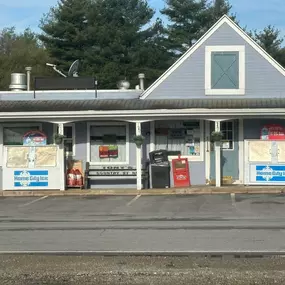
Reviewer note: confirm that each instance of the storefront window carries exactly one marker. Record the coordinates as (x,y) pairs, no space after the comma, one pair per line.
(108,143)
(183,136)
(14,135)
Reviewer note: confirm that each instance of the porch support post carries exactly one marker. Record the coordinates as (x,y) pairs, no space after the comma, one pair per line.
(152,136)
(139,158)
(241,151)
(61,159)
(218,156)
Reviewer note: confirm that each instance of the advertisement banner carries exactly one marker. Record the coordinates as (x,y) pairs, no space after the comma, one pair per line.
(31,178)
(269,173)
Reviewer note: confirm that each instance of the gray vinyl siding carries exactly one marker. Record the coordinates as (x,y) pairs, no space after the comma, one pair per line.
(81,142)
(188,80)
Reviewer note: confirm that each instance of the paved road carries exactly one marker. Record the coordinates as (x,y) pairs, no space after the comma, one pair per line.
(147,223)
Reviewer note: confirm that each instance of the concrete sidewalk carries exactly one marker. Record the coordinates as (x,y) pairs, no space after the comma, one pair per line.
(195,190)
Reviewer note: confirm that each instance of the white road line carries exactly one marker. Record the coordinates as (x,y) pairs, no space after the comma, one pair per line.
(133,200)
(34,201)
(233,198)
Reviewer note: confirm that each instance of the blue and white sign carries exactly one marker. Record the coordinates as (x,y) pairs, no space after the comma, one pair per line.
(31,178)
(270,173)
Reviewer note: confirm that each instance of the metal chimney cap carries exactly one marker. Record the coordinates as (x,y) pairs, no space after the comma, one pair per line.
(18,82)
(141,76)
(28,68)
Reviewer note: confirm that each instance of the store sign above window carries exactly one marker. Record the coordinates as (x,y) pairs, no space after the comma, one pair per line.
(272,132)
(34,138)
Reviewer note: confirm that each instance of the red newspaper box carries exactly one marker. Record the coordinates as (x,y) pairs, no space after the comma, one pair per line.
(180,169)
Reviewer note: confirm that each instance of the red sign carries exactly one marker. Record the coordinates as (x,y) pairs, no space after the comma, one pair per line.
(181,176)
(272,132)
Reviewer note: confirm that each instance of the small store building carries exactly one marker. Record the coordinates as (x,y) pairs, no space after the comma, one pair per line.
(221,106)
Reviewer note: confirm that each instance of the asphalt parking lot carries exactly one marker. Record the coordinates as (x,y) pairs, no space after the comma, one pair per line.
(62,232)
(125,207)
(143,223)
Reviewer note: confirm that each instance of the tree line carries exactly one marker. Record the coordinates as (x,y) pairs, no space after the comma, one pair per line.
(118,39)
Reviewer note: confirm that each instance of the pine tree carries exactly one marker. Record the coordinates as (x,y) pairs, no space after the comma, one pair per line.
(191,19)
(64,31)
(113,38)
(124,43)
(270,40)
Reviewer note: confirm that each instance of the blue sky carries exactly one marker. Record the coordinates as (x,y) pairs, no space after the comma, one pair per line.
(255,14)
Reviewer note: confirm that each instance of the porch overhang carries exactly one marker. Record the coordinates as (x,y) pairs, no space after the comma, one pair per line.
(147,114)
(141,109)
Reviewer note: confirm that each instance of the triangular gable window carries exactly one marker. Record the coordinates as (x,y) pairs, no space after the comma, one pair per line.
(225,70)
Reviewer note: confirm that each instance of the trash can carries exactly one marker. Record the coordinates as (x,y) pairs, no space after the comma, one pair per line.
(159,169)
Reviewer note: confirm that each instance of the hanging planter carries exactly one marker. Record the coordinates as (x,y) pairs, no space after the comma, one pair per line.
(58,138)
(216,136)
(138,140)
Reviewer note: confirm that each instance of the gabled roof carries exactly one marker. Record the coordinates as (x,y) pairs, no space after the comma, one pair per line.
(208,34)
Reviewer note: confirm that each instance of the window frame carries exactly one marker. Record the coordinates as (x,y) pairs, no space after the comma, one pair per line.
(19,125)
(72,125)
(189,157)
(6,125)
(233,136)
(92,124)
(208,70)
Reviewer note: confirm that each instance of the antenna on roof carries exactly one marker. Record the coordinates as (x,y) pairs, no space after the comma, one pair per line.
(73,70)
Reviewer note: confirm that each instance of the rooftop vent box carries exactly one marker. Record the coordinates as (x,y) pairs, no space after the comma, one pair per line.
(18,82)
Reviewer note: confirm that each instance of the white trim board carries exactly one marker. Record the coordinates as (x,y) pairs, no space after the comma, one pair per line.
(241,150)
(237,29)
(149,114)
(208,67)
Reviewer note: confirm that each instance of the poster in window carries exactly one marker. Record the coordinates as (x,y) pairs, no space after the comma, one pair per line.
(113,151)
(272,132)
(197,149)
(225,145)
(103,151)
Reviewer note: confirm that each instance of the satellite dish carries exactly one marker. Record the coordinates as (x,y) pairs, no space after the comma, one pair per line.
(73,70)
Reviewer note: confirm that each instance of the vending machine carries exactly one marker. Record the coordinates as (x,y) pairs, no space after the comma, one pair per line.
(180,170)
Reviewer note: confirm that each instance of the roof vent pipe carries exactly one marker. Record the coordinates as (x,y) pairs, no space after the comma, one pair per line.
(18,82)
(141,78)
(28,69)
